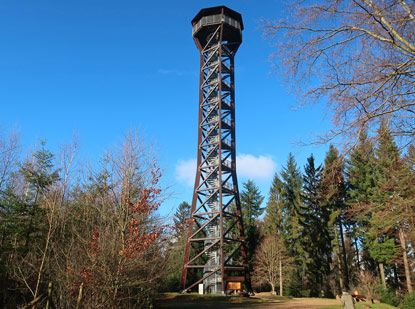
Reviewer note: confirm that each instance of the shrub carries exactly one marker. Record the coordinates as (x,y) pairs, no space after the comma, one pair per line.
(388,297)
(305,293)
(408,302)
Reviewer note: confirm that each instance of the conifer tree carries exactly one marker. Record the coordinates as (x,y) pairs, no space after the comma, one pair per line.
(176,246)
(316,236)
(251,200)
(334,193)
(180,218)
(292,219)
(273,218)
(31,209)
(361,189)
(274,230)
(389,217)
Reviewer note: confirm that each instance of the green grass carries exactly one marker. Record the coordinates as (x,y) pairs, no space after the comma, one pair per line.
(360,306)
(190,300)
(198,297)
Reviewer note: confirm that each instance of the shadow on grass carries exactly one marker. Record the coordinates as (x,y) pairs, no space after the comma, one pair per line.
(173,300)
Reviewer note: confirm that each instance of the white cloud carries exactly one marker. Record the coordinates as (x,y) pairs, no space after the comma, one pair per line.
(248,166)
(256,168)
(186,171)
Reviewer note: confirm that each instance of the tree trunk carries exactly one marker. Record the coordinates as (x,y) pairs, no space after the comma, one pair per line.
(339,263)
(395,274)
(281,289)
(382,275)
(346,267)
(405,259)
(357,253)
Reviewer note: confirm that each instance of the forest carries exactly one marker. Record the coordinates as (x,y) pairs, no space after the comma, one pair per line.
(79,234)
(93,233)
(345,223)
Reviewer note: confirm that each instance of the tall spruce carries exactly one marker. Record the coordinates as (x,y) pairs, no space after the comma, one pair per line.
(292,220)
(361,177)
(316,236)
(388,211)
(181,216)
(334,194)
(251,201)
(273,218)
(176,246)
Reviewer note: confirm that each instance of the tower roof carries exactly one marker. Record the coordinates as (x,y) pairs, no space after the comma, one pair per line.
(218,10)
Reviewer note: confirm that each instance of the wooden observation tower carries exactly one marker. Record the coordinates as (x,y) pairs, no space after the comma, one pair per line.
(215,247)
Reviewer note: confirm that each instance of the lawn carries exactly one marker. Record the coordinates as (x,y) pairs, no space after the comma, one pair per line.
(361,304)
(192,300)
(261,300)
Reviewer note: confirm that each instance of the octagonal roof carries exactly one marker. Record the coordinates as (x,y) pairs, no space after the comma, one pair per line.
(218,10)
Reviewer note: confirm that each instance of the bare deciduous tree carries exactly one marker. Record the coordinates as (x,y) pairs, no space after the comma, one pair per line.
(369,283)
(114,257)
(8,156)
(271,263)
(356,55)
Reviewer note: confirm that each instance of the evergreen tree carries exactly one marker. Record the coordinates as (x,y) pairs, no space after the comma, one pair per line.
(39,174)
(25,221)
(383,251)
(180,219)
(176,247)
(334,194)
(273,218)
(292,220)
(361,190)
(389,218)
(360,172)
(316,237)
(251,200)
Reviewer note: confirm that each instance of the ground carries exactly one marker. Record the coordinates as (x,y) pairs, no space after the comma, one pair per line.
(259,301)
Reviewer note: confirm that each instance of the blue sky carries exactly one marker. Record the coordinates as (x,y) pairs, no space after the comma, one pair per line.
(101,67)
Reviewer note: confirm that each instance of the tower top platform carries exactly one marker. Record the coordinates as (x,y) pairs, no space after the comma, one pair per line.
(217,10)
(207,19)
